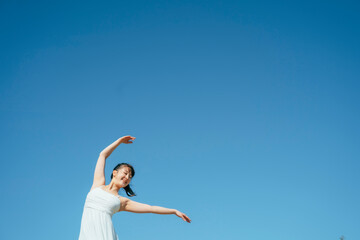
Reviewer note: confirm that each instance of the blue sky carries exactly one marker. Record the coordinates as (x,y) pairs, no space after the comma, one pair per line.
(245,115)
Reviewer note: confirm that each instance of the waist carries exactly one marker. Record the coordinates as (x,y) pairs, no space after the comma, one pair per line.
(99,208)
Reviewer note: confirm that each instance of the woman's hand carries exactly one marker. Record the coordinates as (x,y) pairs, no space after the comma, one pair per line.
(127,139)
(183,216)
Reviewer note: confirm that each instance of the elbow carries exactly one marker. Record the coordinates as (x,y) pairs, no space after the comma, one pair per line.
(151,209)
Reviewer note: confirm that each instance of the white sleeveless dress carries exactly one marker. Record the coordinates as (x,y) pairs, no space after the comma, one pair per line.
(96,222)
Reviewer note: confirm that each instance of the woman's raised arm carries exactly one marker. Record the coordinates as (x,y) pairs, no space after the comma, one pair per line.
(99,174)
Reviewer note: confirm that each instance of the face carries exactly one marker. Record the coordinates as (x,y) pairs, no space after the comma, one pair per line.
(122,176)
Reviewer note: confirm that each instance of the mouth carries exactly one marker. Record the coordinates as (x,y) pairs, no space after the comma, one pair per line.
(125,182)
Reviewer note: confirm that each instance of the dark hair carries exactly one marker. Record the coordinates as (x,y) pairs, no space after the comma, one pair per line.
(127,189)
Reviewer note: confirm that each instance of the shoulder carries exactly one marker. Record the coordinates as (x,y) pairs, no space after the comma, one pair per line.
(96,186)
(123,202)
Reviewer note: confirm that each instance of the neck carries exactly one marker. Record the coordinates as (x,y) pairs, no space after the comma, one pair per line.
(112,187)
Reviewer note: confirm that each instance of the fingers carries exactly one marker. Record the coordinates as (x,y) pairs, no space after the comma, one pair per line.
(128,139)
(185,218)
(131,137)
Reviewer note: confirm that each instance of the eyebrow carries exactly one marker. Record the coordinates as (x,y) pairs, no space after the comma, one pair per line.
(127,171)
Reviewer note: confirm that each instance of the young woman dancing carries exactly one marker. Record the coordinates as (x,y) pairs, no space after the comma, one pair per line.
(103,200)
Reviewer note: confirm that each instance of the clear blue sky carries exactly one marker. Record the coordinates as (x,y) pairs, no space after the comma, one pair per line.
(246,115)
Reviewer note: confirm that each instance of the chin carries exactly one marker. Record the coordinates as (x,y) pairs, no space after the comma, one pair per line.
(123,185)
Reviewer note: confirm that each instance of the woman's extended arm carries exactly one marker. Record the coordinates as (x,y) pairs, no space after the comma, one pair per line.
(136,207)
(99,174)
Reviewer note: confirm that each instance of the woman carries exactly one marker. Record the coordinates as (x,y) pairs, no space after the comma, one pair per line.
(103,200)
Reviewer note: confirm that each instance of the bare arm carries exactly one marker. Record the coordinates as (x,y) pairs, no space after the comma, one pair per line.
(99,174)
(108,150)
(136,207)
